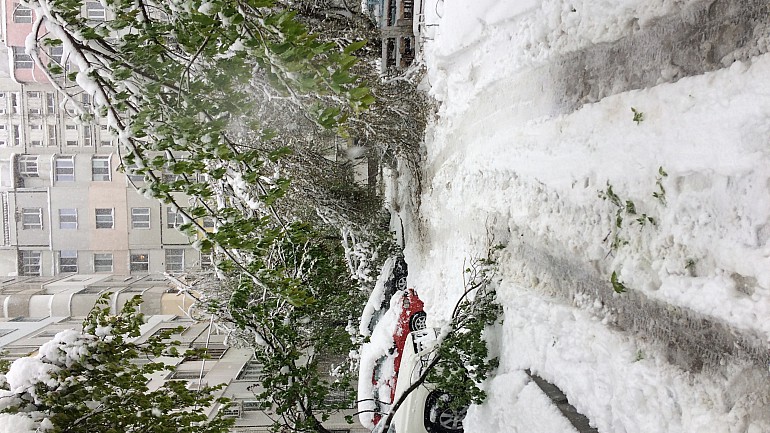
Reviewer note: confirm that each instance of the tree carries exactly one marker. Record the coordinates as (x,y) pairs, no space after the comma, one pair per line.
(226,109)
(90,382)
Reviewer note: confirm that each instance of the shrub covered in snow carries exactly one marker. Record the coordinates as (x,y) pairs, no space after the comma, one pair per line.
(90,381)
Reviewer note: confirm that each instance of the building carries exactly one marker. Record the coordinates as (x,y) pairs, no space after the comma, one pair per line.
(36,308)
(396,19)
(64,205)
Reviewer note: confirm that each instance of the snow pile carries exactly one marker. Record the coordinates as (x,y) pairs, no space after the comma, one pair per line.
(508,159)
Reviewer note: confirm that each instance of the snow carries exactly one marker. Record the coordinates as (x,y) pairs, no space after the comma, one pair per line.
(16,423)
(507,160)
(378,346)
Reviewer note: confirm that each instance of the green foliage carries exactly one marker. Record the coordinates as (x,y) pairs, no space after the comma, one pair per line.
(660,194)
(617,285)
(222,108)
(464,360)
(96,385)
(638,115)
(295,316)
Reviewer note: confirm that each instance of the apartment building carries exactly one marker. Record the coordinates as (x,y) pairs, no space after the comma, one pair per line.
(34,309)
(396,18)
(64,205)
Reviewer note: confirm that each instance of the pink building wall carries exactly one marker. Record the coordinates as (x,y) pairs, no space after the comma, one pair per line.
(15,36)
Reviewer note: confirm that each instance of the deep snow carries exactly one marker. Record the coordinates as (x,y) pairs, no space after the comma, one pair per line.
(504,163)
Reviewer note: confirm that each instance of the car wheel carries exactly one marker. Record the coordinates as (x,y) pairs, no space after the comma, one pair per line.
(440,419)
(401,283)
(418,321)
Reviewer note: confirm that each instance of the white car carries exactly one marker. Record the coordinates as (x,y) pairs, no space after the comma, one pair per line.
(421,411)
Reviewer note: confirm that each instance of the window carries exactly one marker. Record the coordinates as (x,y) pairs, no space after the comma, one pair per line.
(105,218)
(64,169)
(16,132)
(207,261)
(130,170)
(33,94)
(72,143)
(100,168)
(95,11)
(208,222)
(174,219)
(254,405)
(174,260)
(15,103)
(27,165)
(68,261)
(32,218)
(140,217)
(88,138)
(22,14)
(50,103)
(140,262)
(56,54)
(29,263)
(34,111)
(70,127)
(36,143)
(107,143)
(35,126)
(68,218)
(103,262)
(52,135)
(21,60)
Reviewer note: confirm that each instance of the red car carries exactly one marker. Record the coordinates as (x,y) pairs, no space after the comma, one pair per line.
(411,318)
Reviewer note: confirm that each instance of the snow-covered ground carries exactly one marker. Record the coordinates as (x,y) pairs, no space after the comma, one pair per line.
(508,161)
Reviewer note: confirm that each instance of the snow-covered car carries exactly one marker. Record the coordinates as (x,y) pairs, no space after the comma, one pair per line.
(392,279)
(426,409)
(411,317)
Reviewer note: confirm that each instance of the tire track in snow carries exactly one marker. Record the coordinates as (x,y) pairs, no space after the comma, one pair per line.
(689,340)
(705,37)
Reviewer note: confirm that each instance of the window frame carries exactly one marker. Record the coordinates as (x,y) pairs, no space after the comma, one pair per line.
(26,18)
(174,254)
(105,223)
(28,165)
(174,219)
(137,218)
(92,7)
(68,255)
(103,257)
(68,225)
(101,168)
(22,60)
(139,262)
(26,258)
(61,172)
(32,218)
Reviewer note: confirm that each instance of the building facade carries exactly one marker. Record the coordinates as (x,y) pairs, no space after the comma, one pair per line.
(35,309)
(397,32)
(65,207)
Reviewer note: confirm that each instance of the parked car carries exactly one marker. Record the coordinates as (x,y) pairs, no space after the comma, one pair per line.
(411,317)
(395,281)
(426,409)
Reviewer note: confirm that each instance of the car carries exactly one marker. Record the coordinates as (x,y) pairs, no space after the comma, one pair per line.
(426,409)
(411,317)
(395,272)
